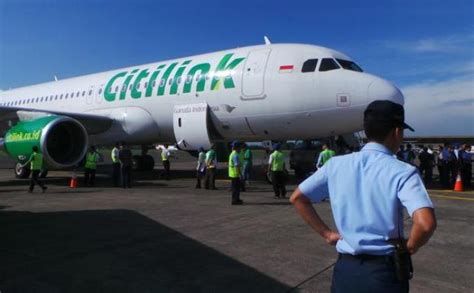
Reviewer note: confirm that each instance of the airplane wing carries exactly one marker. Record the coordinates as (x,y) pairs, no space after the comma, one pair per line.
(9,116)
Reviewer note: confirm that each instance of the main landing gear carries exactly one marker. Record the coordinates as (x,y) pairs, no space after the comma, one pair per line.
(143,162)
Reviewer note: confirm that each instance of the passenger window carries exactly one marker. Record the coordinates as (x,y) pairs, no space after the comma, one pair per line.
(146,85)
(61,97)
(66,96)
(154,83)
(90,92)
(170,81)
(328,64)
(198,77)
(162,82)
(309,65)
(83,93)
(100,91)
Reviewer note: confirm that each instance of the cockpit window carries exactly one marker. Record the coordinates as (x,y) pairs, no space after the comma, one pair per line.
(346,64)
(309,65)
(328,64)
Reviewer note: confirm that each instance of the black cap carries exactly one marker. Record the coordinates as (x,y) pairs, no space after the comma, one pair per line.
(386,112)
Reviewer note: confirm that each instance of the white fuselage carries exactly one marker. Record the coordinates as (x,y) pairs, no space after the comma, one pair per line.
(264,96)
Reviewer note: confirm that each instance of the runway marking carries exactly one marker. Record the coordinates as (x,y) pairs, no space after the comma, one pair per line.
(451,197)
(451,191)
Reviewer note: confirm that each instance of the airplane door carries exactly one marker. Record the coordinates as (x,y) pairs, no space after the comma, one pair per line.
(190,125)
(253,82)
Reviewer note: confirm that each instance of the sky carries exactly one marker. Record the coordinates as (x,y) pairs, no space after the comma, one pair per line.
(426,48)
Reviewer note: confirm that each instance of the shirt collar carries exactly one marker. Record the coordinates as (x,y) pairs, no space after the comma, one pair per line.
(373,146)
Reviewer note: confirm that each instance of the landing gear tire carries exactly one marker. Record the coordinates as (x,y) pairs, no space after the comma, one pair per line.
(137,163)
(21,172)
(148,163)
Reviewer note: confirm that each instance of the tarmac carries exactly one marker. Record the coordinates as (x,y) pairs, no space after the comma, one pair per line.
(167,236)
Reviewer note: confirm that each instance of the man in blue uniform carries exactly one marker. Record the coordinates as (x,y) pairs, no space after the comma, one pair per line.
(368,190)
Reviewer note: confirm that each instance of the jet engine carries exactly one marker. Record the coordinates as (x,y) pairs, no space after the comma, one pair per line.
(62,141)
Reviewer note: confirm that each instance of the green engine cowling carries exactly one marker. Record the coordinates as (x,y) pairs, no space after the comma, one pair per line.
(62,140)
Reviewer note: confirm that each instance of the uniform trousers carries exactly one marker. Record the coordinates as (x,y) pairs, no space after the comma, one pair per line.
(278,182)
(166,166)
(235,189)
(34,179)
(373,274)
(89,177)
(210,178)
(116,174)
(466,174)
(126,176)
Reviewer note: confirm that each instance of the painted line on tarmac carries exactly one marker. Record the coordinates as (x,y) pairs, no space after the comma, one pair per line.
(451,197)
(451,191)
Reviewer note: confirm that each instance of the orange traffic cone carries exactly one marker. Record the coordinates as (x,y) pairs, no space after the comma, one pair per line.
(73,181)
(458,184)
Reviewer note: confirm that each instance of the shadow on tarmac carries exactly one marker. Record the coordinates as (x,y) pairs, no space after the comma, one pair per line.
(114,251)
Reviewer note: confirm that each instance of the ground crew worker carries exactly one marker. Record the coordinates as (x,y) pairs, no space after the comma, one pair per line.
(125,157)
(440,164)
(165,159)
(115,165)
(466,167)
(449,162)
(426,165)
(248,164)
(409,155)
(201,167)
(90,167)
(36,164)
(325,155)
(234,173)
(242,160)
(211,165)
(367,192)
(277,170)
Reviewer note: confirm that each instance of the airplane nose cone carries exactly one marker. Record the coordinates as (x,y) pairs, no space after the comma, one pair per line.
(383,90)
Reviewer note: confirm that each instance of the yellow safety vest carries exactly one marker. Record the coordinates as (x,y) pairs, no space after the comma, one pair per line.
(278,161)
(233,170)
(91,161)
(163,155)
(36,161)
(115,159)
(326,155)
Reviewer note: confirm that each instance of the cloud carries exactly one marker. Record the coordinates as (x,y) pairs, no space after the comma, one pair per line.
(441,108)
(448,44)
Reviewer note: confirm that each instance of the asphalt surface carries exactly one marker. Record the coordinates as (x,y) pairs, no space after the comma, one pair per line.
(167,236)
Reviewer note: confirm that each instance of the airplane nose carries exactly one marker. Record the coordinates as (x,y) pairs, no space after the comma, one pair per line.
(381,89)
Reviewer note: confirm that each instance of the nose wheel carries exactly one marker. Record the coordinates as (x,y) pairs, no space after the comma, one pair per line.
(21,172)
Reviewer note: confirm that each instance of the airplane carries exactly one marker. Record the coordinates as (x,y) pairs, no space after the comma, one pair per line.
(255,93)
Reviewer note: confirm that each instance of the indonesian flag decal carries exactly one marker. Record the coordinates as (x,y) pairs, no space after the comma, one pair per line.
(286,68)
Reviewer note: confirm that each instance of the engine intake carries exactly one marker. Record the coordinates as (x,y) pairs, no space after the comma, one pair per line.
(62,140)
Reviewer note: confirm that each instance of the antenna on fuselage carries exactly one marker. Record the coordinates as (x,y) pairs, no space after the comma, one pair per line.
(267,41)
(55,78)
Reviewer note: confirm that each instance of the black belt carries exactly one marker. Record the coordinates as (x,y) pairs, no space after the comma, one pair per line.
(365,257)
